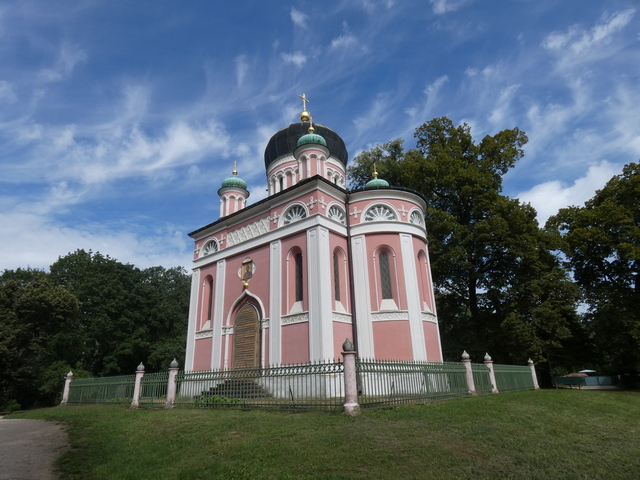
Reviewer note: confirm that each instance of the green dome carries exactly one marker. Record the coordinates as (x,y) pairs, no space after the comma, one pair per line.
(376,182)
(312,138)
(234,182)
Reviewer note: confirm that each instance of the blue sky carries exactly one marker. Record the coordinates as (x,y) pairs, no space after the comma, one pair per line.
(119,119)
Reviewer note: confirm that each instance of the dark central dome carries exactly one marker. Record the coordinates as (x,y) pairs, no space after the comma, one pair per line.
(285,141)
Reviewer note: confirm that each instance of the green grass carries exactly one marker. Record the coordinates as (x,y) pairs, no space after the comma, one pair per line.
(525,435)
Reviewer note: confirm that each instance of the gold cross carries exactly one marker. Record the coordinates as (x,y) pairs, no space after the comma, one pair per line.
(304,101)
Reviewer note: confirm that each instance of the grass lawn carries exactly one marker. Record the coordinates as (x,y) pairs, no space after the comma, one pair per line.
(525,435)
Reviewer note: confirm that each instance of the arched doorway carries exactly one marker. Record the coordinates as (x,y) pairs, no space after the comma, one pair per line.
(246,338)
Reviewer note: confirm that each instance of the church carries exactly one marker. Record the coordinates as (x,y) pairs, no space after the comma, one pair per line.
(287,279)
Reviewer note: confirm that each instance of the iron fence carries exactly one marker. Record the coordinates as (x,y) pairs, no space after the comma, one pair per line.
(512,378)
(481,378)
(102,390)
(314,386)
(153,389)
(391,383)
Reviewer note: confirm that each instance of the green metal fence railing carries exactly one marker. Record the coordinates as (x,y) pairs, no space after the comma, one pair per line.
(310,386)
(390,383)
(153,389)
(102,390)
(293,387)
(512,378)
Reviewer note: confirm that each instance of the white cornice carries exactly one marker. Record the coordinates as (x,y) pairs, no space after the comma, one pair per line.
(388,227)
(387,194)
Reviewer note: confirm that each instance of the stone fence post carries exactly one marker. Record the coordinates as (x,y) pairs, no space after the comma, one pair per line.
(171,384)
(533,374)
(67,385)
(466,360)
(492,376)
(351,406)
(136,388)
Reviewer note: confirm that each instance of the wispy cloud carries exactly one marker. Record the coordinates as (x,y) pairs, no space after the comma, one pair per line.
(297,58)
(579,45)
(69,56)
(445,6)
(549,197)
(298,18)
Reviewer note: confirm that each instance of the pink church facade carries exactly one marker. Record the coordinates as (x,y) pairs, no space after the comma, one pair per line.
(288,278)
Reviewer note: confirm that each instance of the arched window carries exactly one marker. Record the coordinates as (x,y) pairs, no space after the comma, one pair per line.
(385,276)
(281,182)
(299,286)
(386,279)
(294,213)
(295,284)
(336,278)
(337,213)
(380,213)
(207,303)
(423,281)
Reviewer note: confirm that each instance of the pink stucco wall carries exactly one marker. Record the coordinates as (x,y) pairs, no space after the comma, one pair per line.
(258,285)
(295,343)
(341,331)
(432,341)
(392,339)
(202,354)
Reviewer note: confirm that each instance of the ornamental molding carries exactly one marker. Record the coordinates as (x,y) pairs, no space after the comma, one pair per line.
(248,232)
(297,318)
(389,316)
(428,317)
(204,334)
(340,317)
(264,323)
(227,330)
(276,165)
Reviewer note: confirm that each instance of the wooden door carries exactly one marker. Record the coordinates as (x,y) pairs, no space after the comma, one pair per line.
(246,338)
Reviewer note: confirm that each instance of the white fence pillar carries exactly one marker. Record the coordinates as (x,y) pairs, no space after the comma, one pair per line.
(171,384)
(492,376)
(136,388)
(67,386)
(351,405)
(533,374)
(471,386)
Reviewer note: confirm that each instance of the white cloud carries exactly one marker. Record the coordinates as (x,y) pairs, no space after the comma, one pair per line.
(577,45)
(298,18)
(549,197)
(423,109)
(7,92)
(500,115)
(68,57)
(297,58)
(445,6)
(344,42)
(242,67)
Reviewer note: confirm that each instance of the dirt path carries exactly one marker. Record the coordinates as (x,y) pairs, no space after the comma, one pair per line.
(29,448)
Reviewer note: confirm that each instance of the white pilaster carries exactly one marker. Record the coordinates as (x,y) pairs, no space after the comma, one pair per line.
(413,297)
(319,294)
(362,301)
(193,313)
(218,312)
(275,302)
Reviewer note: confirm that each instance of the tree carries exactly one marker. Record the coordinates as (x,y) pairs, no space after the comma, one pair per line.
(127,315)
(33,314)
(602,244)
(499,288)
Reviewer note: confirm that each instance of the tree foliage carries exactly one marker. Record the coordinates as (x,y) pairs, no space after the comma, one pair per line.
(602,244)
(91,314)
(499,287)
